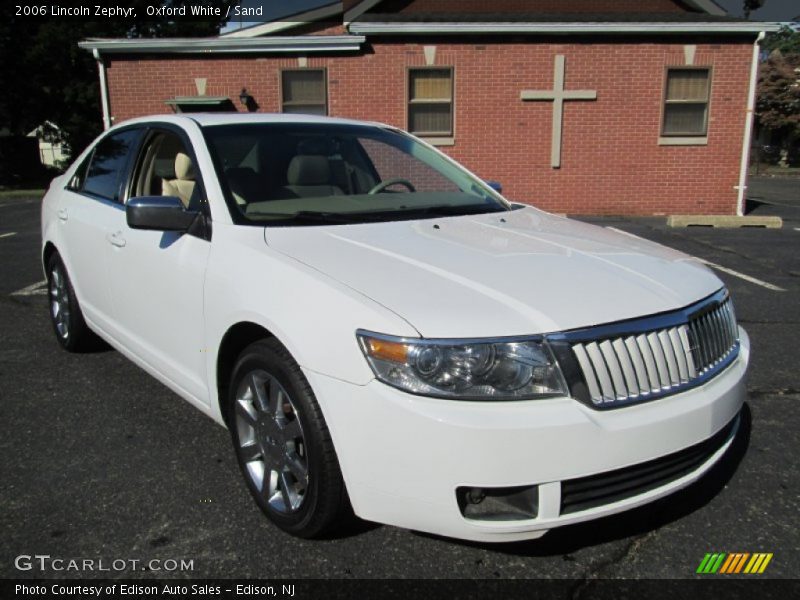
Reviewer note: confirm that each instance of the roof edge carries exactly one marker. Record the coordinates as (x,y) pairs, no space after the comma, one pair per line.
(359,9)
(287,22)
(707,6)
(277,44)
(485,28)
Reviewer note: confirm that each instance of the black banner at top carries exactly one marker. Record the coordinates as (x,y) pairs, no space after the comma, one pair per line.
(246,12)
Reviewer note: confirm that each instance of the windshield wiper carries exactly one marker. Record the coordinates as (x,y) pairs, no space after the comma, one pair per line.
(447,210)
(306,216)
(404,213)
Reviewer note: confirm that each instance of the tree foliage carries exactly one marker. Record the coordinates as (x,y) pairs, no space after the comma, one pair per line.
(786,40)
(778,104)
(46,77)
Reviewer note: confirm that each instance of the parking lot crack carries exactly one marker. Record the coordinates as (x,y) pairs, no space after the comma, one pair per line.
(777,392)
(602,568)
(764,322)
(710,246)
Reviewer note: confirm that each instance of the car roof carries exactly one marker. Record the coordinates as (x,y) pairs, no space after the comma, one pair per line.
(233,118)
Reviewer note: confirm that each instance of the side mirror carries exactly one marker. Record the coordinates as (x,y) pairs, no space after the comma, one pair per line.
(496,186)
(159,213)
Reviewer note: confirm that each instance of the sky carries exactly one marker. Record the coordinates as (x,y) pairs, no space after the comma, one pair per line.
(274,9)
(773,10)
(286,7)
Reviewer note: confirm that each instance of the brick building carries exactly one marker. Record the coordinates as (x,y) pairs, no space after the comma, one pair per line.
(577,106)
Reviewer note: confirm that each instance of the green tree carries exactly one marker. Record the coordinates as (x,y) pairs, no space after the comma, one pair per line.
(786,40)
(778,102)
(46,77)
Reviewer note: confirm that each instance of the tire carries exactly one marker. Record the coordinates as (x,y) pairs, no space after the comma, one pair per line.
(65,313)
(282,443)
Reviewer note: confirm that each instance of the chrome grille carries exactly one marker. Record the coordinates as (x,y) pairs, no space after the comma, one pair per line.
(713,335)
(641,365)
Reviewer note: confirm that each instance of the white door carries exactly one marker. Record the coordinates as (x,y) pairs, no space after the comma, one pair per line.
(87,212)
(156,278)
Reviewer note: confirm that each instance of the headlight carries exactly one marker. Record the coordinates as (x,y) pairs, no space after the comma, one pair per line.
(465,370)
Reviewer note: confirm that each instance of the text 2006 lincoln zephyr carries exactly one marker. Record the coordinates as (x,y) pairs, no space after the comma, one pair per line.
(382,332)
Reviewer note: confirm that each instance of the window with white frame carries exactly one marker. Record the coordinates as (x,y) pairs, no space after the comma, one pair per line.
(686,100)
(430,102)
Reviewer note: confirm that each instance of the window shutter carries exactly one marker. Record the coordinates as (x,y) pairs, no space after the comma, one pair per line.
(430,110)
(686,102)
(303,91)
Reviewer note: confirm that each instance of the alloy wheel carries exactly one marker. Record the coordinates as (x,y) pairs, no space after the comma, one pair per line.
(59,301)
(271,442)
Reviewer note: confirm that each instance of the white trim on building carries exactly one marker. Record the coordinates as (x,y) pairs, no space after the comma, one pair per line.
(238,45)
(585,28)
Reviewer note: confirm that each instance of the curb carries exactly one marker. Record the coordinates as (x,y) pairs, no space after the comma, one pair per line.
(726,221)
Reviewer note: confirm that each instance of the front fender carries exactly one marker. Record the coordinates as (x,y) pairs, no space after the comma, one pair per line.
(314,316)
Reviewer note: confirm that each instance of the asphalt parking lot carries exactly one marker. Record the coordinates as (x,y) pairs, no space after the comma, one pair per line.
(98,460)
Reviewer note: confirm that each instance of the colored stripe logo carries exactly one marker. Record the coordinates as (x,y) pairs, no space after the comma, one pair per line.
(736,562)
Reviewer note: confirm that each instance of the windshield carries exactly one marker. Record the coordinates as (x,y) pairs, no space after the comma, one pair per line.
(310,174)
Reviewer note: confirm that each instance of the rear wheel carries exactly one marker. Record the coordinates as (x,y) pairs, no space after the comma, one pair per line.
(65,313)
(282,443)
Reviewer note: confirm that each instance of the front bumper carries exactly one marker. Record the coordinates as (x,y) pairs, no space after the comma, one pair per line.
(404,456)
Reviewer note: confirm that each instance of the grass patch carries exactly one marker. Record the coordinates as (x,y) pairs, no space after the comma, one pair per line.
(17,194)
(775,171)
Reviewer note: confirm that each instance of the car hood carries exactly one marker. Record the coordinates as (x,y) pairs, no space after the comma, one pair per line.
(498,274)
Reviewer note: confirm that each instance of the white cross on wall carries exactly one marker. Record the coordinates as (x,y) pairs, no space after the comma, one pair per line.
(558,94)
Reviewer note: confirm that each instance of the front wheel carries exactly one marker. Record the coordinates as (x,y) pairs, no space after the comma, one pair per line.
(65,313)
(282,443)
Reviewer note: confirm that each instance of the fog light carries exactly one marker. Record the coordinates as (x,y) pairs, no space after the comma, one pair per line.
(499,504)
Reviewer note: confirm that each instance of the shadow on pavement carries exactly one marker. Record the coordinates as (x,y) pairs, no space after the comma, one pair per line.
(753,206)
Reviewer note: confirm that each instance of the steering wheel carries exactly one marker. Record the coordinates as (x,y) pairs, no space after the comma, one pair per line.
(385,184)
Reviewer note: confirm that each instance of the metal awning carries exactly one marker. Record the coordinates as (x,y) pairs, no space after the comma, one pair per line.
(467,26)
(226,45)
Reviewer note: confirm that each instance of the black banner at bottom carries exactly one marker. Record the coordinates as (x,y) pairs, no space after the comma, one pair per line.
(529,589)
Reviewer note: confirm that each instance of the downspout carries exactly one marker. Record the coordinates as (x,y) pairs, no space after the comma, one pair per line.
(101,71)
(748,127)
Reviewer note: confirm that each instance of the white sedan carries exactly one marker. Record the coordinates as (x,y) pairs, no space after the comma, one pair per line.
(382,332)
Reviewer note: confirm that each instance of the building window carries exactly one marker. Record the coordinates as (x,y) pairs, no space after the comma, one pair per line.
(686,102)
(304,91)
(430,102)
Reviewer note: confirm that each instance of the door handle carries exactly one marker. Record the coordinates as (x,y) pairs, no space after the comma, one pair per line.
(62,214)
(117,240)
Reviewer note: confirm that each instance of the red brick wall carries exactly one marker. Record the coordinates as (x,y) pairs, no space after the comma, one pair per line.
(527,6)
(611,160)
